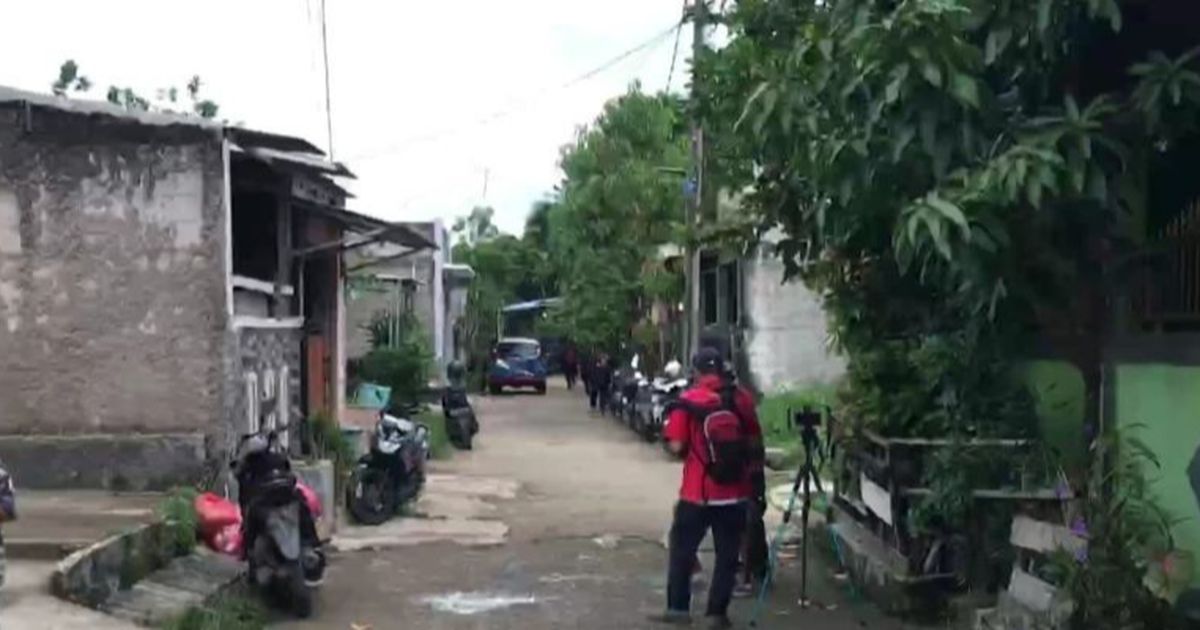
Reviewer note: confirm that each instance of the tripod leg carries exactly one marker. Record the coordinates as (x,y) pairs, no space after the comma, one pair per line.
(804,541)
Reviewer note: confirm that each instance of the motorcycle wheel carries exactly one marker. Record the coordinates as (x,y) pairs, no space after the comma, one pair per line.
(410,489)
(370,498)
(299,594)
(648,430)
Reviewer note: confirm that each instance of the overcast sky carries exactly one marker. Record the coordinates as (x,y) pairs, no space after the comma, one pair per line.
(416,84)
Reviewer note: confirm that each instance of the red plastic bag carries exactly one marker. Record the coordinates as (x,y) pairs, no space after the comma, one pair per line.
(311,499)
(215,513)
(227,540)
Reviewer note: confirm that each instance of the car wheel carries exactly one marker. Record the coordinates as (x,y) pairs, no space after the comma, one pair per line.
(495,389)
(541,389)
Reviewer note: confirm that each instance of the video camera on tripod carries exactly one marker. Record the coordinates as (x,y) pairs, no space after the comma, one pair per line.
(806,421)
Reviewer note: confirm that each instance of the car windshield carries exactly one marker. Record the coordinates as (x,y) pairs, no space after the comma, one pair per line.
(517,350)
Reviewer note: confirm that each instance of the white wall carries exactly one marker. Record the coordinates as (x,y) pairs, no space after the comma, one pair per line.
(786,335)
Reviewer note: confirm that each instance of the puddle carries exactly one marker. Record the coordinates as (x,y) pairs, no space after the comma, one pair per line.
(475,603)
(559,578)
(607,541)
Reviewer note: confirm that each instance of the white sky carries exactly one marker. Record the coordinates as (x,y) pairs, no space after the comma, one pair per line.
(411,79)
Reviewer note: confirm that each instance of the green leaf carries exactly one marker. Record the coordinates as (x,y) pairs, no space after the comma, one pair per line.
(1097,185)
(932,73)
(965,89)
(1033,191)
(900,141)
(997,41)
(940,241)
(948,210)
(750,102)
(1043,15)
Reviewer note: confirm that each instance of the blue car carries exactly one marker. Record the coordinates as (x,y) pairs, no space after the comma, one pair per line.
(517,362)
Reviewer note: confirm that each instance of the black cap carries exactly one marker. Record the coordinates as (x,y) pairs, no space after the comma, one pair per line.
(708,361)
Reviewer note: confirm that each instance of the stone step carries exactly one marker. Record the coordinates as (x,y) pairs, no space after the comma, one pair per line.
(167,593)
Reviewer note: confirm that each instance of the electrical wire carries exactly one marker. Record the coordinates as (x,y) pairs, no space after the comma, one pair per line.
(675,51)
(508,111)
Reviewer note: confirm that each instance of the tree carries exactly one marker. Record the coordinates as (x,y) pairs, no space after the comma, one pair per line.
(951,176)
(477,226)
(616,205)
(167,99)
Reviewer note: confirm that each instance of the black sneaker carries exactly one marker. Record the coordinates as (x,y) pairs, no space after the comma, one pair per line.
(672,618)
(718,622)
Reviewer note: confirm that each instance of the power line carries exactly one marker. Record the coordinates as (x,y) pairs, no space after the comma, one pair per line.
(325,57)
(503,113)
(675,51)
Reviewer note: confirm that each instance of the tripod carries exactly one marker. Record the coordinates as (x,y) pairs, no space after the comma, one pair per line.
(806,478)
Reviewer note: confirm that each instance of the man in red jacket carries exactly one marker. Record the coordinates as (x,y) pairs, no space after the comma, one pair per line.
(716,485)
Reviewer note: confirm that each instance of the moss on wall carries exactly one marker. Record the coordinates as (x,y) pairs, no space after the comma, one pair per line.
(1057,388)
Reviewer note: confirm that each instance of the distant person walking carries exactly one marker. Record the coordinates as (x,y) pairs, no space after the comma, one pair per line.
(570,365)
(599,381)
(715,430)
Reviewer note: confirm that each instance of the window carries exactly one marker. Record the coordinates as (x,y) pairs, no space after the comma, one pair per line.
(709,296)
(731,292)
(518,350)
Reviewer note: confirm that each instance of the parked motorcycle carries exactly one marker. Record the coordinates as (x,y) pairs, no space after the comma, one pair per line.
(392,473)
(279,534)
(461,424)
(666,391)
(624,391)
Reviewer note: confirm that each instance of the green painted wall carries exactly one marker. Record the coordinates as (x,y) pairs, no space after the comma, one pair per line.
(1057,387)
(1165,400)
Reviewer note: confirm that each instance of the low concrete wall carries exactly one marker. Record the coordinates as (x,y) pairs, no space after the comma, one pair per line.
(122,463)
(91,576)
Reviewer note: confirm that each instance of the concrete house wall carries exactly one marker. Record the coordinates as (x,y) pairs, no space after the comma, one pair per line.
(785,336)
(112,294)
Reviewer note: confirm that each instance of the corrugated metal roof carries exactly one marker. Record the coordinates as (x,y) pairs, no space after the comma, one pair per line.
(303,161)
(89,107)
(248,138)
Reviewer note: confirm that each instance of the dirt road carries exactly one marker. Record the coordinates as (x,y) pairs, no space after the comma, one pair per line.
(582,547)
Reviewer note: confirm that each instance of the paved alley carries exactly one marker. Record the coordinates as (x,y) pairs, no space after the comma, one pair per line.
(583,545)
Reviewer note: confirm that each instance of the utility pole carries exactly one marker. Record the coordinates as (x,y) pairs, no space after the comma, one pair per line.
(693,214)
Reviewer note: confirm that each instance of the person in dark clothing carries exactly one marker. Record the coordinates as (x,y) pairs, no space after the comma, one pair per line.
(704,502)
(599,380)
(570,365)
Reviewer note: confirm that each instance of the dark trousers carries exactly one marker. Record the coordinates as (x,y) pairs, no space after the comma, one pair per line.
(570,373)
(594,396)
(755,549)
(691,522)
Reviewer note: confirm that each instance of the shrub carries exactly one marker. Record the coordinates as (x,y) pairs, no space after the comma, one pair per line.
(400,357)
(178,511)
(227,613)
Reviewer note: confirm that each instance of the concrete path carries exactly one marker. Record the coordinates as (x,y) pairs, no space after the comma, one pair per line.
(54,523)
(26,603)
(582,538)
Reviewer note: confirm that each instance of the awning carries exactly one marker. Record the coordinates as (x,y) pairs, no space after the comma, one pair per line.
(533,305)
(362,230)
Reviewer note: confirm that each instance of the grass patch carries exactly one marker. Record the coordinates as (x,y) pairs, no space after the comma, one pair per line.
(773,411)
(232,612)
(439,441)
(178,511)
